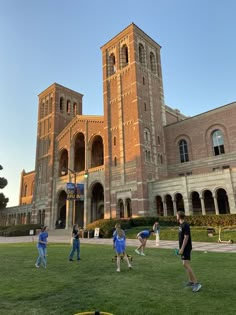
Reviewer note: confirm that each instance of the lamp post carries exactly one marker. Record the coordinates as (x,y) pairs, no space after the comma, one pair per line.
(85,197)
(75,192)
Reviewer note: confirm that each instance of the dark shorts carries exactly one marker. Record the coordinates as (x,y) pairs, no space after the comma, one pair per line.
(186,254)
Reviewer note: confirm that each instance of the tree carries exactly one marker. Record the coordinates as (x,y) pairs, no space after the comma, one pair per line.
(3,199)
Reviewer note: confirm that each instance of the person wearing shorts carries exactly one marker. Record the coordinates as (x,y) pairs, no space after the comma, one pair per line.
(119,244)
(185,248)
(142,237)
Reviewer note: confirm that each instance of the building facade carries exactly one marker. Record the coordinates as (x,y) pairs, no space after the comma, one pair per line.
(141,158)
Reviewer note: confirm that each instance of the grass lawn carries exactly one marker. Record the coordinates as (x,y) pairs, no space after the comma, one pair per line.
(155,286)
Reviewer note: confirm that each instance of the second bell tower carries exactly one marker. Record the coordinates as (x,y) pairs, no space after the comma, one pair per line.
(134,115)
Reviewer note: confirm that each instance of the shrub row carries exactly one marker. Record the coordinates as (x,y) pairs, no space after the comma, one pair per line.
(107,225)
(18,230)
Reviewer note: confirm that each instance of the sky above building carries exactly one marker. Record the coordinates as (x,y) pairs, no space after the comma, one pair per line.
(47,41)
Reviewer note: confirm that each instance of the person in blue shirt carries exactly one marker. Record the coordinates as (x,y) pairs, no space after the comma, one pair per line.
(142,237)
(75,243)
(119,244)
(42,247)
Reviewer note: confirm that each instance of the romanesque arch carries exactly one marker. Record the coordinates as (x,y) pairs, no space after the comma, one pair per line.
(63,162)
(79,153)
(222,201)
(61,210)
(169,205)
(97,155)
(209,202)
(159,206)
(196,203)
(97,202)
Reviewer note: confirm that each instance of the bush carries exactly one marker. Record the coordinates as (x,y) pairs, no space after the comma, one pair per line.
(107,226)
(18,230)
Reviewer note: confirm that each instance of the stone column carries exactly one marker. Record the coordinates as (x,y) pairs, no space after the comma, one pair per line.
(175,207)
(216,204)
(203,206)
(69,208)
(165,208)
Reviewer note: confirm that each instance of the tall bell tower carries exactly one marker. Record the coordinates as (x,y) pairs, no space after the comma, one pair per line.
(134,115)
(57,107)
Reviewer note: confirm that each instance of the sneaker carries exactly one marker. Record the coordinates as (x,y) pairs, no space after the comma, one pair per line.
(78,258)
(189,284)
(37,266)
(130,267)
(142,254)
(71,259)
(137,251)
(118,270)
(196,287)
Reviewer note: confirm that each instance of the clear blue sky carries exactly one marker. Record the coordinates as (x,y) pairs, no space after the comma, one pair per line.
(47,41)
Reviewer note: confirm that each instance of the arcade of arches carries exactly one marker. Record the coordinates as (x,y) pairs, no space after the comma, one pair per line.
(206,202)
(95,206)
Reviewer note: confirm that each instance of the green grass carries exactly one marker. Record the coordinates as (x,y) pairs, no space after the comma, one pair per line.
(155,286)
(199,234)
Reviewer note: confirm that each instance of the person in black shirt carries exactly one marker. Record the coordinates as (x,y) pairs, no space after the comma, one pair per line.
(185,247)
(75,243)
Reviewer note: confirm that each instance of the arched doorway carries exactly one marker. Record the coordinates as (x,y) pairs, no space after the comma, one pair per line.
(159,205)
(79,149)
(97,157)
(179,202)
(97,202)
(196,203)
(128,207)
(222,200)
(209,202)
(169,205)
(61,210)
(63,163)
(121,208)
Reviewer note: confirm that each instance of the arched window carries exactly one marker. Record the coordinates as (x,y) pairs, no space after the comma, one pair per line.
(74,109)
(61,104)
(183,151)
(124,56)
(153,63)
(42,110)
(147,135)
(25,190)
(147,156)
(46,108)
(218,142)
(50,104)
(141,52)
(111,64)
(68,107)
(145,106)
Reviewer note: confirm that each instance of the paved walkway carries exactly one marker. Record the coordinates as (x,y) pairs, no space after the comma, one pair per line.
(199,246)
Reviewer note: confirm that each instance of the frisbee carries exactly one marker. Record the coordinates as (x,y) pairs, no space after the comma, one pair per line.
(176,251)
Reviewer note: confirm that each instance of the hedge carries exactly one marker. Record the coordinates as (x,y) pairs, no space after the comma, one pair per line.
(18,230)
(107,226)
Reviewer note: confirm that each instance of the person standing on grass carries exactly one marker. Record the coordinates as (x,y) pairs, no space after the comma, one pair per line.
(75,243)
(142,237)
(119,244)
(185,247)
(156,229)
(42,247)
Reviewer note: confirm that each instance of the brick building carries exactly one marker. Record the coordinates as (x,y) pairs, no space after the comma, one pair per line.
(141,158)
